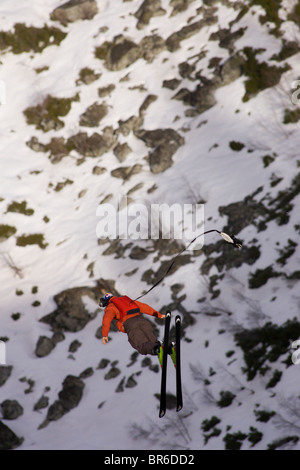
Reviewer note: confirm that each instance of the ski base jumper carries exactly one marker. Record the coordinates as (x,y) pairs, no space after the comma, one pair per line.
(127,314)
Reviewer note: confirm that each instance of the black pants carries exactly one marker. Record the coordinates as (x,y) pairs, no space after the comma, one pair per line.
(140,334)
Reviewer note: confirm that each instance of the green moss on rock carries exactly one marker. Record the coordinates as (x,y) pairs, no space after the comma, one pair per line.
(234,441)
(6,231)
(262,346)
(236,146)
(226,398)
(295,14)
(291,116)
(20,208)
(263,415)
(45,116)
(28,38)
(283,442)
(260,74)
(271,8)
(33,239)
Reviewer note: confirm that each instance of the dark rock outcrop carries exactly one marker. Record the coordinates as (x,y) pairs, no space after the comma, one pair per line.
(44,346)
(93,115)
(8,439)
(122,53)
(164,143)
(202,97)
(94,145)
(5,372)
(68,398)
(11,409)
(75,10)
(147,10)
(71,313)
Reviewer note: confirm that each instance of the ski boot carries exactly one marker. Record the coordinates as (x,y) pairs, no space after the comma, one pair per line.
(172,352)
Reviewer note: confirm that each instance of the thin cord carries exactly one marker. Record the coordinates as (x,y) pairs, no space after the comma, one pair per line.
(172,263)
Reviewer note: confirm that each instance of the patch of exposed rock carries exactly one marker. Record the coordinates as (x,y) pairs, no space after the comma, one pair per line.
(72,313)
(148,10)
(173,41)
(94,145)
(125,172)
(11,409)
(123,51)
(68,398)
(5,372)
(121,151)
(179,6)
(93,115)
(44,346)
(163,143)
(8,439)
(75,10)
(202,97)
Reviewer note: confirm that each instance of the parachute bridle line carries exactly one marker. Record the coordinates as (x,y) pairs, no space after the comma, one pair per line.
(228,238)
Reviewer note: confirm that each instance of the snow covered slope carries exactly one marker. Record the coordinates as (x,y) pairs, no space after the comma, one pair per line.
(158,102)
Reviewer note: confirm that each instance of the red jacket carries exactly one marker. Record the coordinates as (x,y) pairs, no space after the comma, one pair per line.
(119,309)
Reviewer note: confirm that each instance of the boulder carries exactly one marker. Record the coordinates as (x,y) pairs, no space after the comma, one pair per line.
(43,402)
(164,143)
(5,372)
(94,145)
(68,398)
(71,313)
(179,6)
(151,46)
(44,346)
(72,392)
(11,409)
(75,10)
(121,151)
(8,439)
(202,98)
(122,53)
(173,41)
(74,346)
(125,172)
(93,115)
(161,158)
(131,124)
(147,10)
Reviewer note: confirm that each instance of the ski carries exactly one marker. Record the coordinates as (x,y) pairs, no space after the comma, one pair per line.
(178,363)
(176,358)
(163,392)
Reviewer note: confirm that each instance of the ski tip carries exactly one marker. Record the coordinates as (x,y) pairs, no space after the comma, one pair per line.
(162,414)
(168,314)
(177,319)
(179,408)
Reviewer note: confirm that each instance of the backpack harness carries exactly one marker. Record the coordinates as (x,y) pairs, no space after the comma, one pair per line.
(126,306)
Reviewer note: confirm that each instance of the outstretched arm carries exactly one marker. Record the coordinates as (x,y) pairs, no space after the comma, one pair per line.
(108,316)
(145,308)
